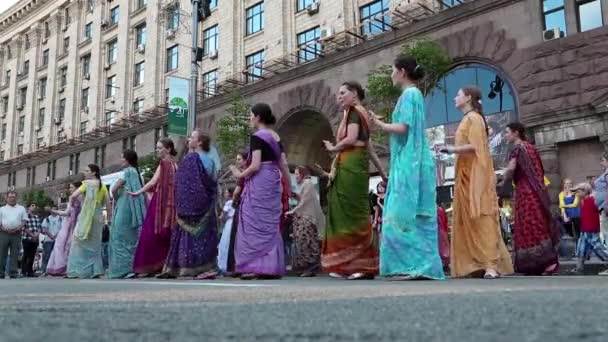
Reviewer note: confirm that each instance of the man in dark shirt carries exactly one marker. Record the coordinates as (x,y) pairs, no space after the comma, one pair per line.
(29,239)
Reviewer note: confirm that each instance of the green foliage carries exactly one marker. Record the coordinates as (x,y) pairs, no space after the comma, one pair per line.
(38,197)
(383,96)
(233,128)
(147,166)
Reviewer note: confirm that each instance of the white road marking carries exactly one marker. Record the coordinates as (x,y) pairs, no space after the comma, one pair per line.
(174,283)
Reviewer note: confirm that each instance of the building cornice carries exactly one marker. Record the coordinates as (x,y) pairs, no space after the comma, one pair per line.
(22,10)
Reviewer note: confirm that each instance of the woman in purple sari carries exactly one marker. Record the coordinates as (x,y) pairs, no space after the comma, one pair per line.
(194,238)
(155,237)
(259,249)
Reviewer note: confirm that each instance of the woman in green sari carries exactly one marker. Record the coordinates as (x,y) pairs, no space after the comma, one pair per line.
(128,215)
(85,253)
(349,247)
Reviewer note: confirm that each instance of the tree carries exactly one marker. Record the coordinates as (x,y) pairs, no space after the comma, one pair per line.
(233,128)
(147,166)
(38,197)
(383,95)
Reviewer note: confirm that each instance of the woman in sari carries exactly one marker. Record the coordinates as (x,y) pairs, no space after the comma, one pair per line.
(129,215)
(409,247)
(308,219)
(259,250)
(58,261)
(349,247)
(194,238)
(535,237)
(477,245)
(155,237)
(85,252)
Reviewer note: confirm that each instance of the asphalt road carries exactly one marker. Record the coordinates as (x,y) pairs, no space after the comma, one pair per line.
(316,309)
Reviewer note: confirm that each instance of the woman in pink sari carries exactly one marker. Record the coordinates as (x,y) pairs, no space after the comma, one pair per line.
(155,237)
(58,260)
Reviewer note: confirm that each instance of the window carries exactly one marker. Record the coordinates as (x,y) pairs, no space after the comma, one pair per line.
(129,143)
(111,86)
(141,3)
(255,18)
(212,4)
(19,150)
(27,42)
(374,17)
(138,78)
(51,167)
(114,15)
(140,35)
(160,132)
(84,100)
(42,87)
(138,105)
(3,132)
(112,52)
(554,15)
(26,67)
(172,58)
(1,155)
(210,43)
(22,96)
(5,105)
(309,48)
(589,14)
(86,65)
(21,125)
(173,17)
(63,76)
(88,31)
(45,57)
(61,110)
(110,117)
(83,127)
(74,163)
(66,45)
(302,4)
(68,18)
(7,77)
(90,5)
(41,117)
(39,143)
(100,156)
(255,63)
(209,83)
(9,52)
(12,178)
(47,30)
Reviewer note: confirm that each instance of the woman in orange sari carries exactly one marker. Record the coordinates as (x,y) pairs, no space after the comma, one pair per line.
(477,246)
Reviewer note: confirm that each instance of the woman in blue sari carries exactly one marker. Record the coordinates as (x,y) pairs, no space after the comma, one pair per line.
(409,247)
(129,215)
(85,252)
(194,238)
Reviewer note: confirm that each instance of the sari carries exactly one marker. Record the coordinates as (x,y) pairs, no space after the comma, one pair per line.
(409,224)
(223,248)
(350,246)
(536,236)
(128,217)
(155,237)
(308,219)
(259,245)
(444,237)
(477,243)
(85,259)
(194,237)
(58,261)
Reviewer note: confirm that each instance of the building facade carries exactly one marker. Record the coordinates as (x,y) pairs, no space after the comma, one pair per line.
(540,61)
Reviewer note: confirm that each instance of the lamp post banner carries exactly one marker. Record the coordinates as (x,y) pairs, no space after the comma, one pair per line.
(178,106)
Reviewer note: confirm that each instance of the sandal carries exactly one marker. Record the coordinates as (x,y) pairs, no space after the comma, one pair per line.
(166,275)
(207,275)
(360,276)
(337,275)
(248,276)
(491,274)
(551,270)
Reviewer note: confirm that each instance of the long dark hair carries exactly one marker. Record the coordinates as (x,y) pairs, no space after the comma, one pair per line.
(131,158)
(475,94)
(204,140)
(97,172)
(519,128)
(169,145)
(411,67)
(264,112)
(356,88)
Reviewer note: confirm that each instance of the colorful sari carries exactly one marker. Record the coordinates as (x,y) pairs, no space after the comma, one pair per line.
(194,238)
(308,219)
(350,246)
(58,261)
(259,245)
(477,243)
(535,237)
(155,237)
(409,224)
(129,213)
(85,259)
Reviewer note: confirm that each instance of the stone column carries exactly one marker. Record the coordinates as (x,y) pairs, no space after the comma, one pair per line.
(549,156)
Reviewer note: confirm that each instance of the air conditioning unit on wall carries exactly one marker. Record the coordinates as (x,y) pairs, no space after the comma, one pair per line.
(313,8)
(552,34)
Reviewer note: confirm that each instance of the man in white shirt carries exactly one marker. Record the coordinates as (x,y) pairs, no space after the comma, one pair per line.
(50,228)
(12,220)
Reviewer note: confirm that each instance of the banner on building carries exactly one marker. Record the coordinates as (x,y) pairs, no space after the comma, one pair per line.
(178,106)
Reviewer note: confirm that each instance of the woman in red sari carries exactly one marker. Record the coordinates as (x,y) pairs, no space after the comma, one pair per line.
(535,235)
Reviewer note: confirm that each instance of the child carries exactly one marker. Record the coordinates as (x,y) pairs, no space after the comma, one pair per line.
(589,240)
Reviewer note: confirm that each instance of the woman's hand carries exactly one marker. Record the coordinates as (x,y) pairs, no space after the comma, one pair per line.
(329,146)
(324,173)
(376,121)
(235,171)
(443,148)
(134,194)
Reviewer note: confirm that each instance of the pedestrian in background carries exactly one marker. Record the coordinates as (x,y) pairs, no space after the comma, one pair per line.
(226,218)
(51,226)
(30,240)
(241,165)
(589,241)
(13,218)
(569,207)
(601,191)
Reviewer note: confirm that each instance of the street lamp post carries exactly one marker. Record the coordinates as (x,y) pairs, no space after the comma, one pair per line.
(194,65)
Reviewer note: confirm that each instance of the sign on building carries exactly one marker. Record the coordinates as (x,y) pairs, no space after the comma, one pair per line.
(178,106)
